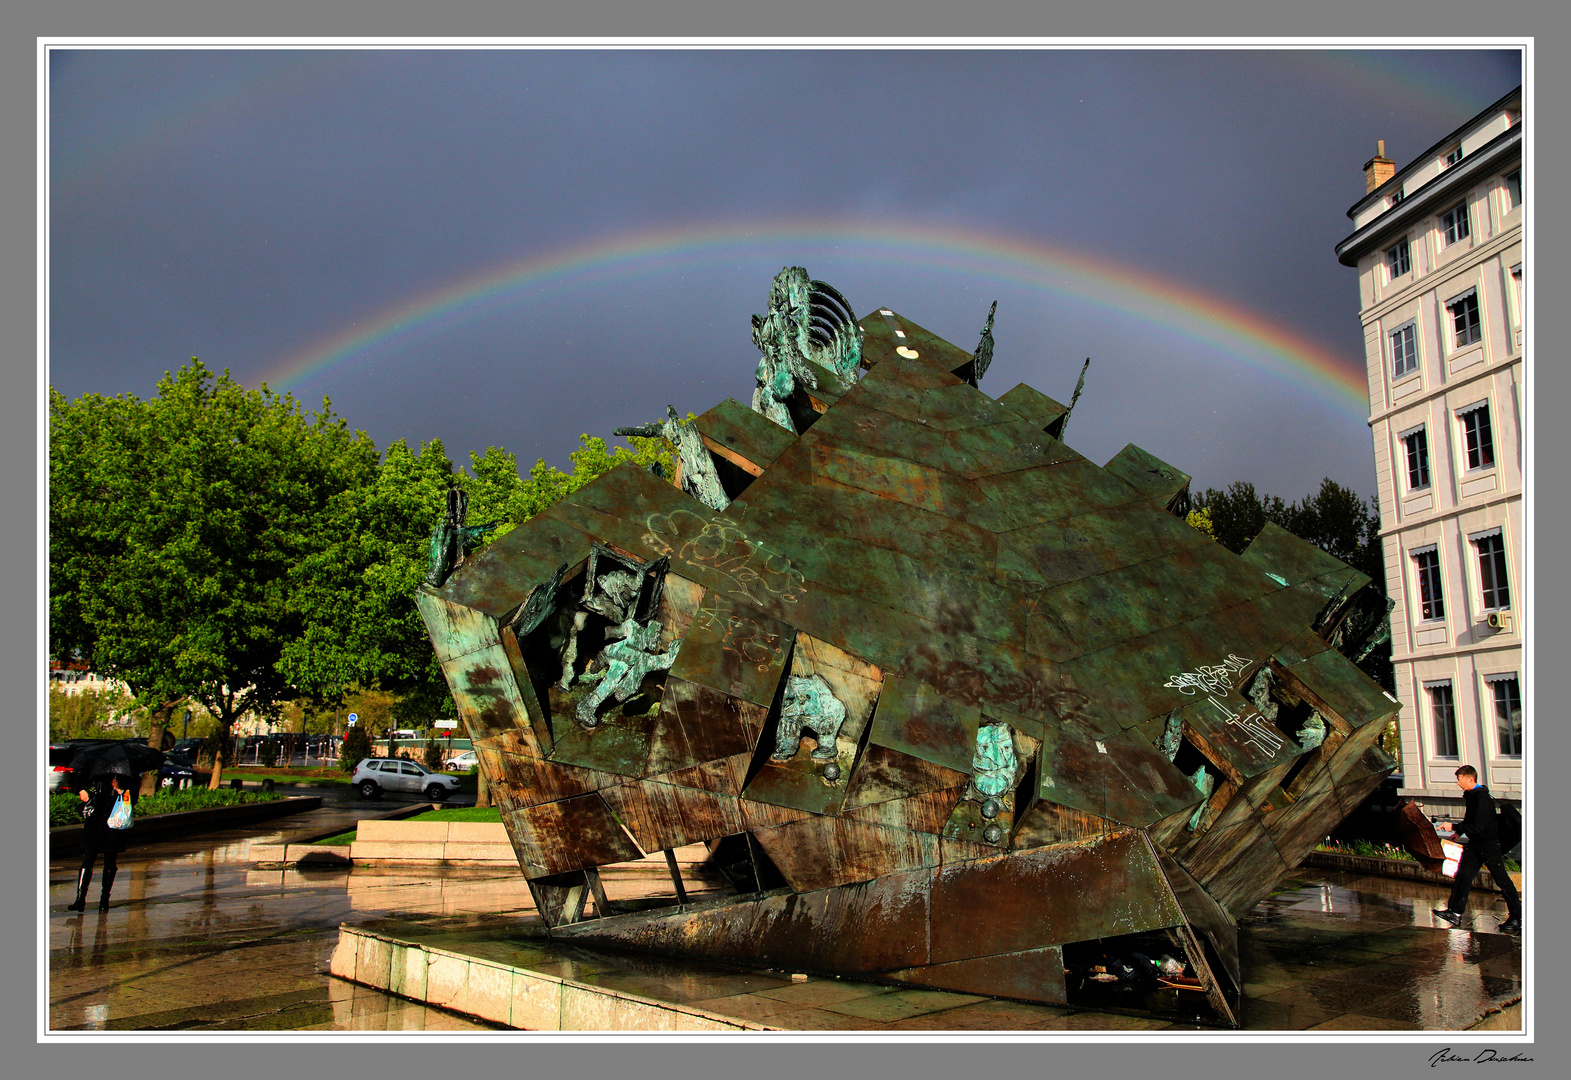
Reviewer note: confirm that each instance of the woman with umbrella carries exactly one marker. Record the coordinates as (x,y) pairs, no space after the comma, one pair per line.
(110,768)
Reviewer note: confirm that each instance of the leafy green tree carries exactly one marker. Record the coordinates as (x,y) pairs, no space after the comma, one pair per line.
(354,748)
(174,526)
(88,715)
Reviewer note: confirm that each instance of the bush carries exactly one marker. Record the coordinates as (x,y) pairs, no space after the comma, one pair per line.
(433,755)
(267,754)
(65,809)
(355,748)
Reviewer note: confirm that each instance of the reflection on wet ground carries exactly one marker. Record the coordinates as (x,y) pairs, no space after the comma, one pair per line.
(197,939)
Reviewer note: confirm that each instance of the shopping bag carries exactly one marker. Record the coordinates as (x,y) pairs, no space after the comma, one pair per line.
(120,816)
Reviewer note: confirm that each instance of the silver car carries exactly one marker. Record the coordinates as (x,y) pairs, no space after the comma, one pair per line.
(373,776)
(462,762)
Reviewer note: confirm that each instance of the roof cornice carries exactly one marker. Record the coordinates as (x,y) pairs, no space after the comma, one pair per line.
(1464,174)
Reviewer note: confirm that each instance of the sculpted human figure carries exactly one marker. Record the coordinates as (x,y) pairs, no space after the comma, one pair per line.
(809,705)
(626,661)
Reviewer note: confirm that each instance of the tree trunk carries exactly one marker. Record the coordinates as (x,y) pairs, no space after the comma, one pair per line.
(224,726)
(156,740)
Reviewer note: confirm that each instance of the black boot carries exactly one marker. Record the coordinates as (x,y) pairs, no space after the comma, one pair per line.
(103,896)
(84,878)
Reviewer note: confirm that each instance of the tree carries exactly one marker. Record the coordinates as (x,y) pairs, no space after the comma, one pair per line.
(1334,519)
(174,525)
(357,593)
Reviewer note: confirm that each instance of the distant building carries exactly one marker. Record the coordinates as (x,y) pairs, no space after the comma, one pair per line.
(74,677)
(1438,247)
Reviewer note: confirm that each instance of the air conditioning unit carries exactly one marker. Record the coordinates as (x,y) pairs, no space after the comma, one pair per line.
(1500,620)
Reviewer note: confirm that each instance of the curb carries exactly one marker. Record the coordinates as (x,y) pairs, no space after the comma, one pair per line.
(1397,868)
(278,857)
(67,839)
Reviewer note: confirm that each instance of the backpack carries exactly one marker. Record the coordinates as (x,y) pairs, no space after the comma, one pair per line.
(1508,825)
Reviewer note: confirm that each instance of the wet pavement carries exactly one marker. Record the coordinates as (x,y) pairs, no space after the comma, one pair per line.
(197,938)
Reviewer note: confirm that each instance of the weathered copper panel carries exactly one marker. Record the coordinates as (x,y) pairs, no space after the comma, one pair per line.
(454,628)
(821,852)
(734,648)
(928,812)
(662,816)
(744,431)
(696,724)
(1237,866)
(1030,975)
(1103,889)
(1204,914)
(888,477)
(524,780)
(1055,552)
(886,774)
(1031,496)
(726,775)
(500,577)
(1047,824)
(554,838)
(1335,685)
(679,601)
(1279,552)
(914,719)
(1232,732)
(1033,405)
(1120,778)
(1147,473)
(539,737)
(487,696)
(618,744)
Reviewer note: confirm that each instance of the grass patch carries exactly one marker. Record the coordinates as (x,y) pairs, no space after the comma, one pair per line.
(65,809)
(1368,849)
(293,776)
(343,839)
(464,813)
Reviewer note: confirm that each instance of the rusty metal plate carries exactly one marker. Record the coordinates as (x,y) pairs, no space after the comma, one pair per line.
(740,429)
(1031,496)
(661,816)
(1054,553)
(503,574)
(521,779)
(696,724)
(1121,778)
(1335,686)
(1012,903)
(1279,552)
(618,744)
(487,695)
(822,852)
(915,719)
(553,838)
(1233,863)
(887,476)
(1028,975)
(727,775)
(1048,824)
(734,648)
(454,629)
(1228,729)
(1204,914)
(884,774)
(928,812)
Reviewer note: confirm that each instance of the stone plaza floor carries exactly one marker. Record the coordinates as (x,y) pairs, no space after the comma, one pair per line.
(198,939)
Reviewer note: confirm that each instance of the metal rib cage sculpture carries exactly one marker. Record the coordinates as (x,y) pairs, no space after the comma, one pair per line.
(950,705)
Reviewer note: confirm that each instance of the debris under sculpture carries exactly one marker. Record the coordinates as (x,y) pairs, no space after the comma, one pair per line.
(952,705)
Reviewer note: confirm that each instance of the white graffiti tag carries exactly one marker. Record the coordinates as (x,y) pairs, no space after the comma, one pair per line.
(1218,677)
(1257,729)
(746,567)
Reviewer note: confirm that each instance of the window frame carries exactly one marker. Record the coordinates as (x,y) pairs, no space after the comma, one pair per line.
(1429,575)
(1403,246)
(1450,220)
(1411,326)
(1473,325)
(1478,439)
(1494,681)
(1420,432)
(1451,157)
(1496,594)
(1512,183)
(1451,741)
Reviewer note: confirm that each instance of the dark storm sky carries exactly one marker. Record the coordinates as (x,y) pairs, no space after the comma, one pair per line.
(1170,214)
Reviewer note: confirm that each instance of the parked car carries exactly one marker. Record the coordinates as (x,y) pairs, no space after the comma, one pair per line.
(373,776)
(177,772)
(461,762)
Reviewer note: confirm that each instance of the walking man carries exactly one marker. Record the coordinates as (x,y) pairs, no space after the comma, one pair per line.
(1482,848)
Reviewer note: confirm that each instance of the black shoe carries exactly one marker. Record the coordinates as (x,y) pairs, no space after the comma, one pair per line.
(1513,925)
(79,904)
(1447,915)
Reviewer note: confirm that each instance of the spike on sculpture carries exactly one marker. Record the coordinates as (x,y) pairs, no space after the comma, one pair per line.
(904,659)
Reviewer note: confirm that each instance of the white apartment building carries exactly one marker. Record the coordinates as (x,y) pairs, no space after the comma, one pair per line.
(1438,247)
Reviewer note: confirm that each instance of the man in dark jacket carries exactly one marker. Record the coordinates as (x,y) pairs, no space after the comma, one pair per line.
(1482,848)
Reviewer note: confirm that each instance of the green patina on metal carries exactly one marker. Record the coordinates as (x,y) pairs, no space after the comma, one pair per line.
(1204,783)
(995,761)
(809,706)
(1026,679)
(626,662)
(983,357)
(700,479)
(451,538)
(808,323)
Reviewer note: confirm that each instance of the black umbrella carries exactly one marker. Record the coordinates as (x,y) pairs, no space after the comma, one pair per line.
(115,759)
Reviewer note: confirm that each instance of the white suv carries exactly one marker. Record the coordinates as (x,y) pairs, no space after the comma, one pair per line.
(376,775)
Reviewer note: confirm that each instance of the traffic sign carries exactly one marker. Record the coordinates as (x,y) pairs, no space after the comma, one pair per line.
(446,723)
(352,718)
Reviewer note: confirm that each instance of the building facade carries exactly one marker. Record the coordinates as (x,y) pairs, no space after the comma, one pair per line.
(1438,248)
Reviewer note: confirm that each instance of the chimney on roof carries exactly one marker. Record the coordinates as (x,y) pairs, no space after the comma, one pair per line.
(1378,169)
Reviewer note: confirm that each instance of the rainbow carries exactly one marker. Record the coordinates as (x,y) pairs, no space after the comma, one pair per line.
(1131,293)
